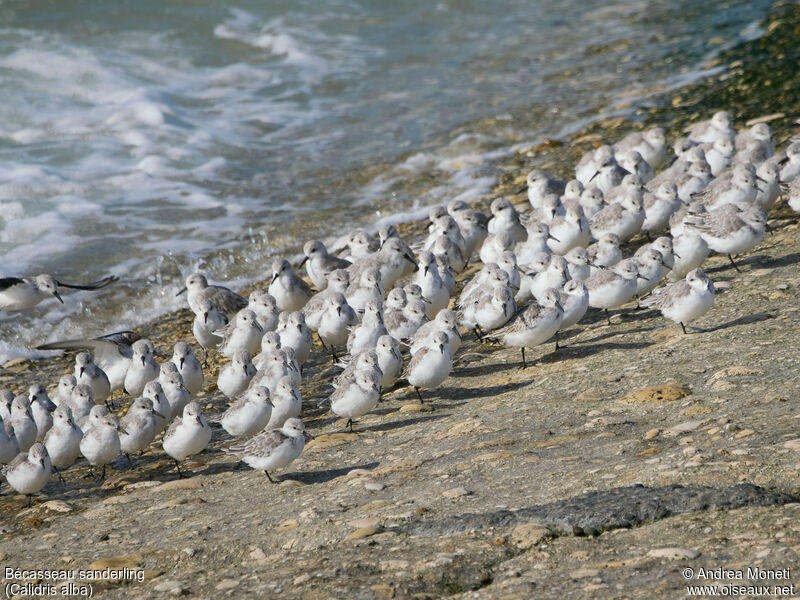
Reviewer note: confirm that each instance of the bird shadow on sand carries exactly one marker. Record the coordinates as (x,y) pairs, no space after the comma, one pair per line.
(398,424)
(323,476)
(745,320)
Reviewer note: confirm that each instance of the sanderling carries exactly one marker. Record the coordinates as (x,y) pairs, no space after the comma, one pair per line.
(249,414)
(22,421)
(9,447)
(63,391)
(538,264)
(719,155)
(289,290)
(265,308)
(793,192)
(728,230)
(29,472)
(651,144)
(446,273)
(592,201)
(447,322)
(494,310)
(540,184)
(357,397)
(720,125)
(574,298)
(613,287)
(474,229)
(143,368)
(294,333)
(335,322)
(394,260)
(338,281)
(26,292)
(769,189)
(357,243)
(431,365)
(694,180)
(433,288)
(506,219)
(445,249)
(221,298)
(446,225)
(6,398)
(623,218)
(63,441)
(789,163)
(138,427)
(609,174)
(579,266)
(100,444)
(365,335)
(403,323)
(234,377)
(273,449)
(81,401)
(759,132)
(153,391)
(97,411)
(174,388)
(659,206)
(554,276)
(368,287)
(286,402)
(366,360)
(739,188)
(685,300)
(605,252)
(534,323)
(664,245)
(112,353)
(494,245)
(390,362)
(319,263)
(651,271)
(206,322)
(90,374)
(634,163)
(189,367)
(570,230)
(242,333)
(538,234)
(187,435)
(41,409)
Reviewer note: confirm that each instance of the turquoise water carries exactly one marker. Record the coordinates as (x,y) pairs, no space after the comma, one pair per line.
(148,139)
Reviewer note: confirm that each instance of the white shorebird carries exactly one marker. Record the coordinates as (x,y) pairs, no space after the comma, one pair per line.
(390,362)
(533,324)
(610,288)
(22,421)
(555,275)
(9,447)
(320,264)
(634,163)
(433,288)
(249,414)
(538,234)
(623,218)
(174,388)
(243,333)
(719,155)
(187,435)
(88,373)
(730,231)
(447,322)
(143,368)
(506,219)
(206,322)
(684,301)
(63,441)
(592,201)
(338,281)
(273,449)
(574,298)
(224,300)
(368,287)
(265,308)
(664,245)
(294,333)
(138,427)
(100,444)
(659,206)
(112,353)
(63,391)
(234,377)
(570,230)
(154,392)
(189,367)
(365,336)
(394,260)
(403,324)
(22,293)
(431,365)
(286,402)
(720,125)
(578,264)
(6,399)
(495,245)
(335,322)
(651,271)
(29,472)
(81,401)
(356,398)
(41,410)
(651,144)
(738,186)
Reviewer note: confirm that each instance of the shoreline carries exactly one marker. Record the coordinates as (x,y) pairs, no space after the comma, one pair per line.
(537,467)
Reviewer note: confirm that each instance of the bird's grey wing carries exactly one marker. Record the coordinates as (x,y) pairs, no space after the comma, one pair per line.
(173,426)
(225,300)
(601,277)
(261,444)
(419,357)
(19,459)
